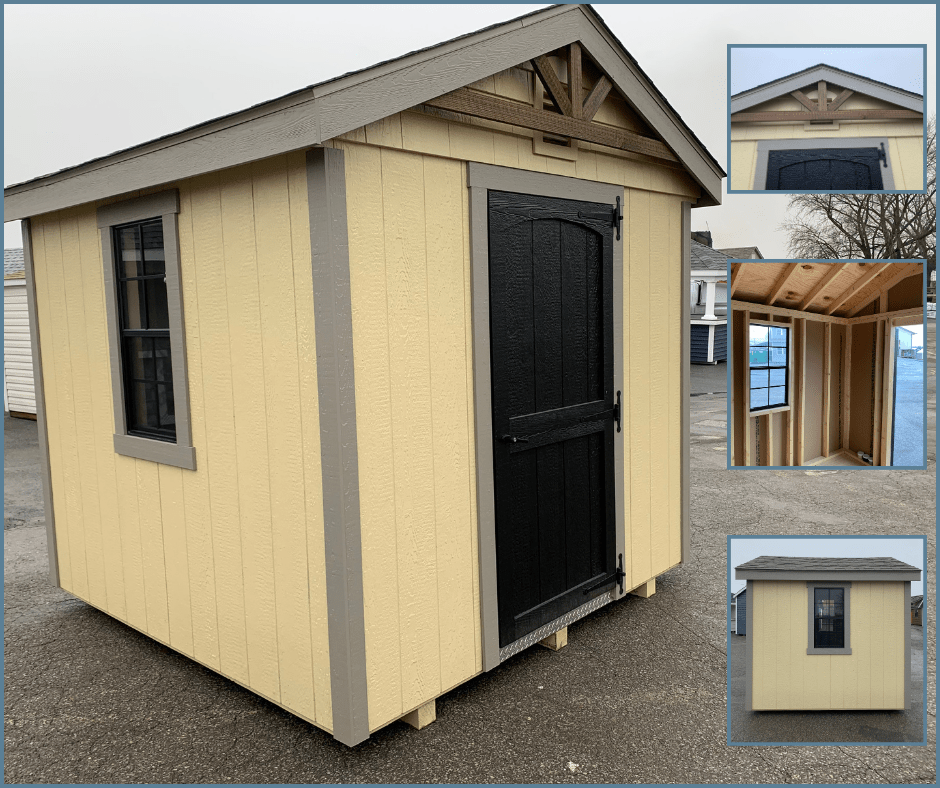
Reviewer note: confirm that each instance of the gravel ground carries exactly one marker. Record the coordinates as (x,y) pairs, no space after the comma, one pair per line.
(637,696)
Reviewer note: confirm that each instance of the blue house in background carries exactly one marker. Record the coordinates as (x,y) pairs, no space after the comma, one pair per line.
(739,612)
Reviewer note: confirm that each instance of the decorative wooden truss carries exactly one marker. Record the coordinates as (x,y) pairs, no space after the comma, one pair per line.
(571,115)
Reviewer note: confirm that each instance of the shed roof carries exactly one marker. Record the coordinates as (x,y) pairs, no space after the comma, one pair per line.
(704,258)
(917,602)
(743,253)
(320,112)
(14,267)
(832,75)
(771,567)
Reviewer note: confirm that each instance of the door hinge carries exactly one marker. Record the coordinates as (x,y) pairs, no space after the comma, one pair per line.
(617,412)
(618,219)
(617,577)
(883,156)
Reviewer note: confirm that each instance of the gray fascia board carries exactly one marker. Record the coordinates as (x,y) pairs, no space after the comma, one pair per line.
(32,307)
(859,84)
(830,576)
(308,118)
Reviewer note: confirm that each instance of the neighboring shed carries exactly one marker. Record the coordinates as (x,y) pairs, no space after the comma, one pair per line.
(19,395)
(709,321)
(917,610)
(739,612)
(828,633)
(289,357)
(825,129)
(812,359)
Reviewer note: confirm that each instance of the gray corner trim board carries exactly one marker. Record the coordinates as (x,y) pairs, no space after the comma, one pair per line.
(480,179)
(685,386)
(832,76)
(907,644)
(45,468)
(164,205)
(764,147)
(339,452)
(749,647)
(811,585)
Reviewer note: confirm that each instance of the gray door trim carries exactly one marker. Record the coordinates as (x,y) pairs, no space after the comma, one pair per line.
(764,147)
(332,302)
(846,586)
(480,179)
(44,466)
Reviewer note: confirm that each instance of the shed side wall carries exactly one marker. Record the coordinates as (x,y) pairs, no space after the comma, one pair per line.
(786,677)
(225,563)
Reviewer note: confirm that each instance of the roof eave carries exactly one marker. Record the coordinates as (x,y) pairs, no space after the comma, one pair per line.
(889,575)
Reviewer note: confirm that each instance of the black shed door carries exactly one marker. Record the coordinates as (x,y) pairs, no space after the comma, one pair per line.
(551,325)
(825,169)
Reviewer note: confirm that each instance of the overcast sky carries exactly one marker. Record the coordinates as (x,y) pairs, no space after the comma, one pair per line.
(82,81)
(910,550)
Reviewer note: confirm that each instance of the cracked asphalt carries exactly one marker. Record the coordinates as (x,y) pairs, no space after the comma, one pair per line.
(638,695)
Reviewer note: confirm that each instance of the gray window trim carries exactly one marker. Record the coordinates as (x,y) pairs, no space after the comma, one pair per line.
(811,586)
(764,147)
(481,178)
(166,206)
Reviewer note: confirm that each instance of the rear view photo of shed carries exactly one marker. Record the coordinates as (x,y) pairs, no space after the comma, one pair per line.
(816,373)
(828,633)
(826,129)
(357,393)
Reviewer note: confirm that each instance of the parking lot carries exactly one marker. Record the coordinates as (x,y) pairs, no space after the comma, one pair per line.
(639,694)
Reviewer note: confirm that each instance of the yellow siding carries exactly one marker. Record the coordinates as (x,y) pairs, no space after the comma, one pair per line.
(786,677)
(224,564)
(410,277)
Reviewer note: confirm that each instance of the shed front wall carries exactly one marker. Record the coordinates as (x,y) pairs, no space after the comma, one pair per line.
(784,677)
(225,563)
(905,139)
(410,270)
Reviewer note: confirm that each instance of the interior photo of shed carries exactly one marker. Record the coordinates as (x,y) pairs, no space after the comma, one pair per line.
(353,395)
(823,367)
(826,129)
(828,633)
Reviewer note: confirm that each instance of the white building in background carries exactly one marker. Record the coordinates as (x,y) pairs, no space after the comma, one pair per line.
(19,396)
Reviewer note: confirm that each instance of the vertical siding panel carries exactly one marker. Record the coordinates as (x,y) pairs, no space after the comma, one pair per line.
(196,503)
(282,396)
(366,204)
(471,143)
(310,430)
(640,432)
(505,150)
(173,517)
(86,479)
(251,441)
(70,483)
(661,356)
(406,271)
(220,459)
(450,386)
(471,422)
(878,666)
(151,548)
(47,343)
(894,641)
(862,634)
(102,415)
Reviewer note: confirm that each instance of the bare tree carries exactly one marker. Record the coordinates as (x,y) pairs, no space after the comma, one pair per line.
(868,226)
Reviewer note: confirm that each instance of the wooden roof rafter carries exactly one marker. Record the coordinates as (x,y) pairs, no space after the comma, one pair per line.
(856,286)
(895,277)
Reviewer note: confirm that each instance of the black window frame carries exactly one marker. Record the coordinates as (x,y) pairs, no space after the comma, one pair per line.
(828,617)
(818,647)
(785,367)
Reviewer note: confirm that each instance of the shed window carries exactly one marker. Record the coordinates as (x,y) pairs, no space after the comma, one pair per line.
(144,303)
(829,618)
(145,330)
(768,354)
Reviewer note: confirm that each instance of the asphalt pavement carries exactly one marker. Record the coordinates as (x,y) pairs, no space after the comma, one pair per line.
(908,446)
(638,695)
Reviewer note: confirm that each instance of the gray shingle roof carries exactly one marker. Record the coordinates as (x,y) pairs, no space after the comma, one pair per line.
(743,253)
(917,601)
(704,258)
(786,564)
(13,265)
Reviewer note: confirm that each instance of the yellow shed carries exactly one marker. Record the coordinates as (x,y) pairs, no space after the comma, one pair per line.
(828,633)
(354,394)
(825,129)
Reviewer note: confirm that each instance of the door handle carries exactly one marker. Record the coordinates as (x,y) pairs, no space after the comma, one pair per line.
(514,438)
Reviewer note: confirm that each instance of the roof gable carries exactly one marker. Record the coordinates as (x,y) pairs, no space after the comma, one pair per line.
(832,76)
(321,112)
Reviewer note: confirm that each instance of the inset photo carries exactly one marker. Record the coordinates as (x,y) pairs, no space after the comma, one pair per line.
(826,364)
(825,640)
(826,119)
